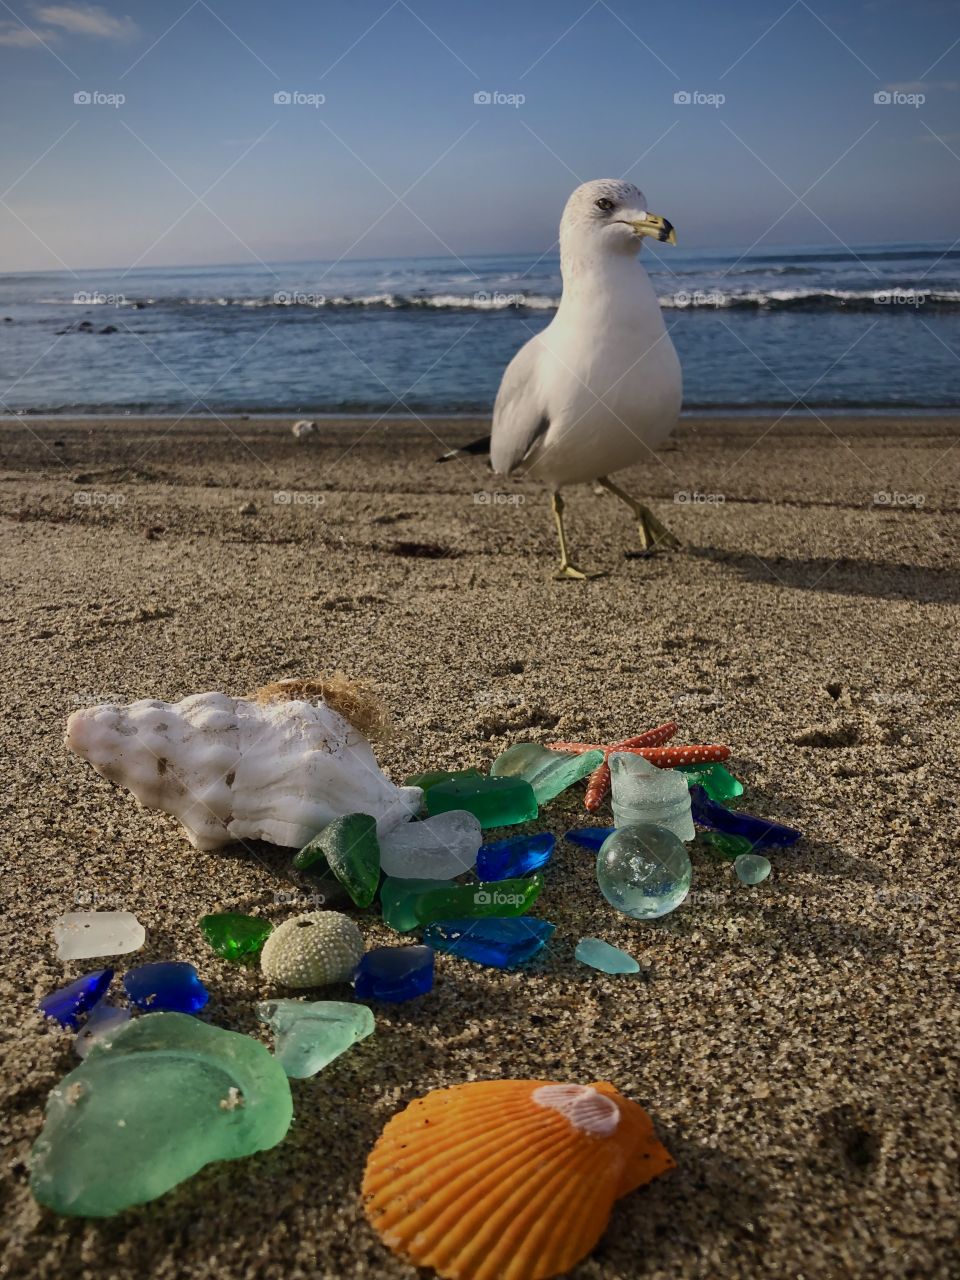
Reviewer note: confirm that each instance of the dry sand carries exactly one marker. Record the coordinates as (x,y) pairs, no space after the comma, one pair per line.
(796,1043)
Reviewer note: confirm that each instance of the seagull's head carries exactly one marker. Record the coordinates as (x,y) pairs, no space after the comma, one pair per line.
(610,215)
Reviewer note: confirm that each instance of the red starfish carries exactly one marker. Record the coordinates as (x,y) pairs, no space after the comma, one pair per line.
(650,746)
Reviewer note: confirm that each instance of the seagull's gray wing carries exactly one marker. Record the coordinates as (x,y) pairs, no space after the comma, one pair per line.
(519,414)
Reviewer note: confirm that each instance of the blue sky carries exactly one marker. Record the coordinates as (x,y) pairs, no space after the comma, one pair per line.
(199,164)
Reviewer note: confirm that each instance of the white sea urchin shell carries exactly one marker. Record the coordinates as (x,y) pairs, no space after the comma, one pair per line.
(312,950)
(232,769)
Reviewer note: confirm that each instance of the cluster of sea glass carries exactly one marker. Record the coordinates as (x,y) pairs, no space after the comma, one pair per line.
(468,897)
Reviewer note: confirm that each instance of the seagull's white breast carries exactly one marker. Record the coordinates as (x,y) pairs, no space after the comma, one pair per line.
(609,379)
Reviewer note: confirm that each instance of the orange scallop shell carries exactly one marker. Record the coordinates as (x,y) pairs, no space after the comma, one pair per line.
(487,1181)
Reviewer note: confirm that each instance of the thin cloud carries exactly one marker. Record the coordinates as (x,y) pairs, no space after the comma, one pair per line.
(15,37)
(921,86)
(55,20)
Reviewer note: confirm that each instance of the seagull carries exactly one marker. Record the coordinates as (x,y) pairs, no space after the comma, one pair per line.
(600,387)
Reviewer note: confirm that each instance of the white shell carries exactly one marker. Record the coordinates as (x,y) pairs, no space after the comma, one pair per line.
(312,949)
(582,1105)
(231,769)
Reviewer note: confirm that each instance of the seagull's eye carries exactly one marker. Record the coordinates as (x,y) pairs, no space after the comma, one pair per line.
(605,204)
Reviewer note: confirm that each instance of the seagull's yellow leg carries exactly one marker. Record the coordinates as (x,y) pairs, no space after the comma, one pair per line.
(653,534)
(566,570)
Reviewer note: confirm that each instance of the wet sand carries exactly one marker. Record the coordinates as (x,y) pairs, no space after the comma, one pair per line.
(796,1043)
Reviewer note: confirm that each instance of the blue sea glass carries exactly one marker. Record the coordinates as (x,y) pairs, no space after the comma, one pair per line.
(169,986)
(761,832)
(501,859)
(601,955)
(394,974)
(67,1003)
(498,941)
(588,837)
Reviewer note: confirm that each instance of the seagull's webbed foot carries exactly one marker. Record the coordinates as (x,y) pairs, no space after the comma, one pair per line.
(567,568)
(571,571)
(654,535)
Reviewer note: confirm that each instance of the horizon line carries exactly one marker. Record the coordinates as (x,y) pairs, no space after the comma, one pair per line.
(425,257)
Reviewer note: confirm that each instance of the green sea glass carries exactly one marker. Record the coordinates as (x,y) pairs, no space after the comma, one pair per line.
(235,936)
(722,845)
(485,898)
(752,868)
(409,903)
(495,802)
(352,851)
(149,1106)
(718,782)
(310,1034)
(548,772)
(398,899)
(427,780)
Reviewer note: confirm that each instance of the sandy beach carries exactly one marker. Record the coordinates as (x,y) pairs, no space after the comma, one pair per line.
(796,1043)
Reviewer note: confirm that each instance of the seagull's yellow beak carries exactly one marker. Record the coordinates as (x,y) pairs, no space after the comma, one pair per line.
(651,224)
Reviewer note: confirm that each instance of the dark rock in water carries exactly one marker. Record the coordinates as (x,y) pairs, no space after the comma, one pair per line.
(109,328)
(85,326)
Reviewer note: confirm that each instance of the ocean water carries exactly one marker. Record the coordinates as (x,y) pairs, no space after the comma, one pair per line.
(868,328)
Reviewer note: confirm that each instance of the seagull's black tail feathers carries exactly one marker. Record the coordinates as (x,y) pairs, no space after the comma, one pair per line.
(475,447)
